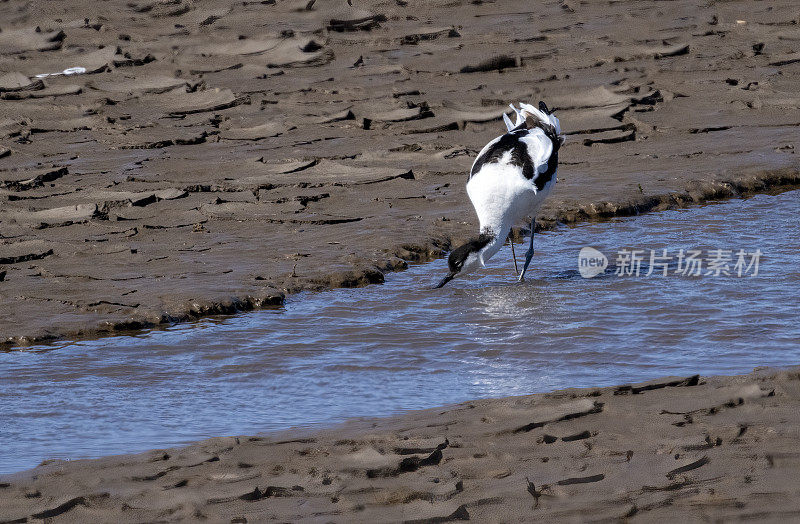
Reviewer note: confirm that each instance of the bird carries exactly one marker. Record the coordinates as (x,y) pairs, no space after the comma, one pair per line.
(509,179)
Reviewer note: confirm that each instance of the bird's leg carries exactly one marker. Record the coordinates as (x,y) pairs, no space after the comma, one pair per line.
(529,254)
(513,255)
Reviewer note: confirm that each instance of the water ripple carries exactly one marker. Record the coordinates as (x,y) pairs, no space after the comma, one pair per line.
(384,349)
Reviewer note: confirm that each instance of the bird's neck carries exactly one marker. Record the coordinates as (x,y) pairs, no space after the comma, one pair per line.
(499,233)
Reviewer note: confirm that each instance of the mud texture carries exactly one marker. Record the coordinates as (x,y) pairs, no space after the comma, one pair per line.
(683,449)
(216,156)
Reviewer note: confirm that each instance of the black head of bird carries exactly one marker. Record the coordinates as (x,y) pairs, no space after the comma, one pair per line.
(466,257)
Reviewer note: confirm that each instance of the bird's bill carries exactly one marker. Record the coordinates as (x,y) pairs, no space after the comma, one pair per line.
(445,280)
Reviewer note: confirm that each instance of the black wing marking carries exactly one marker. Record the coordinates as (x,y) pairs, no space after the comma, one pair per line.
(510,142)
(552,162)
(547,175)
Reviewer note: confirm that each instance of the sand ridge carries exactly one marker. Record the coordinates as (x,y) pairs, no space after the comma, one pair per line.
(218,156)
(681,449)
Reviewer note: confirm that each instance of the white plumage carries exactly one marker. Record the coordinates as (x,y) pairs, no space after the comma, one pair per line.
(509,180)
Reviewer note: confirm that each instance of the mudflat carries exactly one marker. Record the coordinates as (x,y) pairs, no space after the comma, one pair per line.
(216,156)
(676,449)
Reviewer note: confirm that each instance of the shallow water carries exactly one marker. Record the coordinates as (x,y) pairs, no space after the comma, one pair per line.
(384,349)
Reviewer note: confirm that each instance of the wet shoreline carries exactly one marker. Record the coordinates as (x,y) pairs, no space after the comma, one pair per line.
(679,447)
(700,192)
(331,355)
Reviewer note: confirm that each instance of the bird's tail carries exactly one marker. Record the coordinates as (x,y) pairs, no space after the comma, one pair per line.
(530,116)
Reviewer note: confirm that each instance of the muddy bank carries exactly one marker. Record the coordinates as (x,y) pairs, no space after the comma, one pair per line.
(680,448)
(214,158)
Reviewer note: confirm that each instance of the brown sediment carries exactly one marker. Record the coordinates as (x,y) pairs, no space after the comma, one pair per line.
(674,449)
(218,157)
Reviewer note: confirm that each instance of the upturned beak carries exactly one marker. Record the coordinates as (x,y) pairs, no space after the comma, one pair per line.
(445,280)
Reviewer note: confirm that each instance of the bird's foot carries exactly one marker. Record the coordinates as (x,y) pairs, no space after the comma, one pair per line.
(521,277)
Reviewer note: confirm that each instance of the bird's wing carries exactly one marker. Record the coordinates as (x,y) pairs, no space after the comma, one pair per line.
(529,150)
(482,155)
(540,148)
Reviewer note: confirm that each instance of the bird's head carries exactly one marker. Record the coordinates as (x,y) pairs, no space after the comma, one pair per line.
(466,257)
